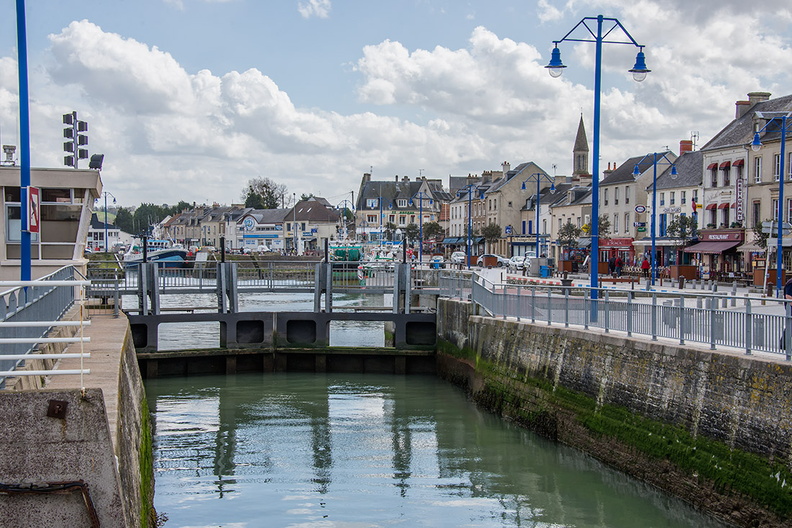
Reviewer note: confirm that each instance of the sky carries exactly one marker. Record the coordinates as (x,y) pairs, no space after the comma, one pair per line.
(190,99)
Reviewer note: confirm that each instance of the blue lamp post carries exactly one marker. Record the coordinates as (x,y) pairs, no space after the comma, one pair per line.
(25,258)
(421,197)
(469,187)
(639,71)
(538,177)
(656,157)
(106,244)
(756,144)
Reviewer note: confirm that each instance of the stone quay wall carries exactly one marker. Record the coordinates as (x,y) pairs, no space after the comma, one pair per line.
(711,427)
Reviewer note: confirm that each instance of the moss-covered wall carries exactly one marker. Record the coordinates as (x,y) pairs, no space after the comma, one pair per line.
(711,427)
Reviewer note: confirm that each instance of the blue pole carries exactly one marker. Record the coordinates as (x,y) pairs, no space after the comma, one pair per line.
(24,142)
(420,231)
(470,224)
(538,179)
(654,219)
(779,248)
(595,167)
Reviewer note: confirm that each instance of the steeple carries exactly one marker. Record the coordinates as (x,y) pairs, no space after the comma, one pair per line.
(580,153)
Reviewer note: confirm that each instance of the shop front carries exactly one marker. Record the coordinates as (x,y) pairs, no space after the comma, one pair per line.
(716,253)
(611,249)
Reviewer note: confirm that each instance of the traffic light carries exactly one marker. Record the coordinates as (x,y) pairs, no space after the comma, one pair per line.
(76,134)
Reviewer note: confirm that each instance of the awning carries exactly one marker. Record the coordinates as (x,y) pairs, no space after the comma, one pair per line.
(659,242)
(750,247)
(712,166)
(739,162)
(584,243)
(725,165)
(479,240)
(450,241)
(712,247)
(734,205)
(710,207)
(723,206)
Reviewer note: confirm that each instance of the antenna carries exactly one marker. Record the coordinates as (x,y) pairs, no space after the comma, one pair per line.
(554,169)
(694,135)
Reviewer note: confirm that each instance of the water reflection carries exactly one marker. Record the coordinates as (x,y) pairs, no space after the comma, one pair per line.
(366,450)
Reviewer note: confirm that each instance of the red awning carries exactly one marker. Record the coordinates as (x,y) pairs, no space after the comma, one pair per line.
(723,206)
(739,162)
(725,165)
(712,247)
(712,166)
(734,205)
(710,207)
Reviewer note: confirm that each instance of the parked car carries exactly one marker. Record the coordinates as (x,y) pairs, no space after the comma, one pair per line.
(490,260)
(458,257)
(517,263)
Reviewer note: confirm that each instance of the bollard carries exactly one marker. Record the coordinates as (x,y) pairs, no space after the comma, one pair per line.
(681,282)
(734,294)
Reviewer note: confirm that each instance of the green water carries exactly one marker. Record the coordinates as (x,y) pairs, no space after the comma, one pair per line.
(353,451)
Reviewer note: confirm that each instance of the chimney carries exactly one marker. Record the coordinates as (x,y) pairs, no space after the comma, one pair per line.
(397,178)
(366,177)
(405,178)
(685,145)
(758,97)
(506,167)
(742,108)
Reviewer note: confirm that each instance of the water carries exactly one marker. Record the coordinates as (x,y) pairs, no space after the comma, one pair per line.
(320,450)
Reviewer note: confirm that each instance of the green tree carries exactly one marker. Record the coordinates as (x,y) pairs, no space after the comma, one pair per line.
(411,232)
(148,214)
(568,235)
(124,220)
(433,230)
(491,234)
(389,230)
(683,229)
(760,238)
(265,193)
(604,227)
(305,197)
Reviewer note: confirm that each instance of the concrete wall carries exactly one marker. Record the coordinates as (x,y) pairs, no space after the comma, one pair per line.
(606,394)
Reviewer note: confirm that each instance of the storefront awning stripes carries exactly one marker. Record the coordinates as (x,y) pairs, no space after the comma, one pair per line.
(450,240)
(712,166)
(711,206)
(713,248)
(723,206)
(725,165)
(739,162)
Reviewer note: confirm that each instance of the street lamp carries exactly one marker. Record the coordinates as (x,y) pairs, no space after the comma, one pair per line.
(639,71)
(637,172)
(756,144)
(105,193)
(421,197)
(469,187)
(538,177)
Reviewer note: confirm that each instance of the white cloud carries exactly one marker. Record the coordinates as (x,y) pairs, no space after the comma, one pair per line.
(317,8)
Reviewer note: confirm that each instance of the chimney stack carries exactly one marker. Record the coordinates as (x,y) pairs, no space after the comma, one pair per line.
(366,177)
(742,108)
(758,97)
(685,145)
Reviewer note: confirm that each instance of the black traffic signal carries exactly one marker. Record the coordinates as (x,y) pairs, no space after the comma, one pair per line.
(75,133)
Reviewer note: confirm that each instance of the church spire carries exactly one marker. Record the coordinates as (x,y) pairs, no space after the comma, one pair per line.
(580,153)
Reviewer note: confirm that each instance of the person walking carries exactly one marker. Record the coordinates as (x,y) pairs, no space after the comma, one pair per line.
(619,264)
(645,267)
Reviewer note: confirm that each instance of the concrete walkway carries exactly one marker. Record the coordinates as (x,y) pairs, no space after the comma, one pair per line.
(107,335)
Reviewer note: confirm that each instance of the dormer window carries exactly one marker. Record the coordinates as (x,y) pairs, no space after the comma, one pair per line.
(401,203)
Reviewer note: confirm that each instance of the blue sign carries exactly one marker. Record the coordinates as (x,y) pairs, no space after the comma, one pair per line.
(508,230)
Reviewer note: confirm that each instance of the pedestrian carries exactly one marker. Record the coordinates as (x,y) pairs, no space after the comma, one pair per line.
(645,267)
(611,266)
(618,266)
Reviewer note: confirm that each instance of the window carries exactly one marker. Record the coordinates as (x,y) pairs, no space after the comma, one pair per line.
(663,224)
(683,197)
(402,220)
(774,212)
(726,177)
(626,222)
(758,169)
(756,213)
(605,196)
(776,166)
(662,198)
(672,198)
(788,210)
(371,219)
(372,203)
(616,196)
(627,194)
(714,175)
(615,223)
(789,166)
(401,202)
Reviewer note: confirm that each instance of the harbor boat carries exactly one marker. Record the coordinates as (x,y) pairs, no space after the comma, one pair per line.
(166,253)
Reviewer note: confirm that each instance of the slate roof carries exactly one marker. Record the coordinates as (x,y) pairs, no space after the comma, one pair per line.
(689,168)
(740,131)
(624,172)
(99,224)
(313,211)
(269,216)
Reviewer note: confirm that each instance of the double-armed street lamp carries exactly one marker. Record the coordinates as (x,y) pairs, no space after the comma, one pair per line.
(538,177)
(656,158)
(421,196)
(773,118)
(599,36)
(468,249)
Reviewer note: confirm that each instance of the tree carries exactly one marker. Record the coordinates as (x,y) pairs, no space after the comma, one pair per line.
(682,228)
(491,233)
(604,227)
(760,238)
(305,197)
(147,215)
(124,220)
(568,235)
(411,232)
(433,230)
(264,192)
(390,230)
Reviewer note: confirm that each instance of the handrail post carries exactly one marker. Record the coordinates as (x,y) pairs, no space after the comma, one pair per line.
(682,318)
(549,306)
(607,311)
(654,316)
(749,327)
(629,313)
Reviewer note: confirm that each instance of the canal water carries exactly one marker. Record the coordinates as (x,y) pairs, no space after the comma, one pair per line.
(361,450)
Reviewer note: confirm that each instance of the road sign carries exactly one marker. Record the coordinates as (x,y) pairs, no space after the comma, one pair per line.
(34,209)
(641,230)
(785,242)
(640,209)
(639,224)
(508,230)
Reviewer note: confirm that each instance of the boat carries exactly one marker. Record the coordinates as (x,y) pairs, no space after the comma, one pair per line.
(165,252)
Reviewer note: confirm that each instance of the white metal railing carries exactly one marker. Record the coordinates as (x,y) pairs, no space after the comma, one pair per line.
(716,319)
(28,311)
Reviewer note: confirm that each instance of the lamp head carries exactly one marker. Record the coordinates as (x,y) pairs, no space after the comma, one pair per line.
(756,144)
(552,188)
(636,170)
(555,68)
(674,172)
(640,70)
(523,186)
